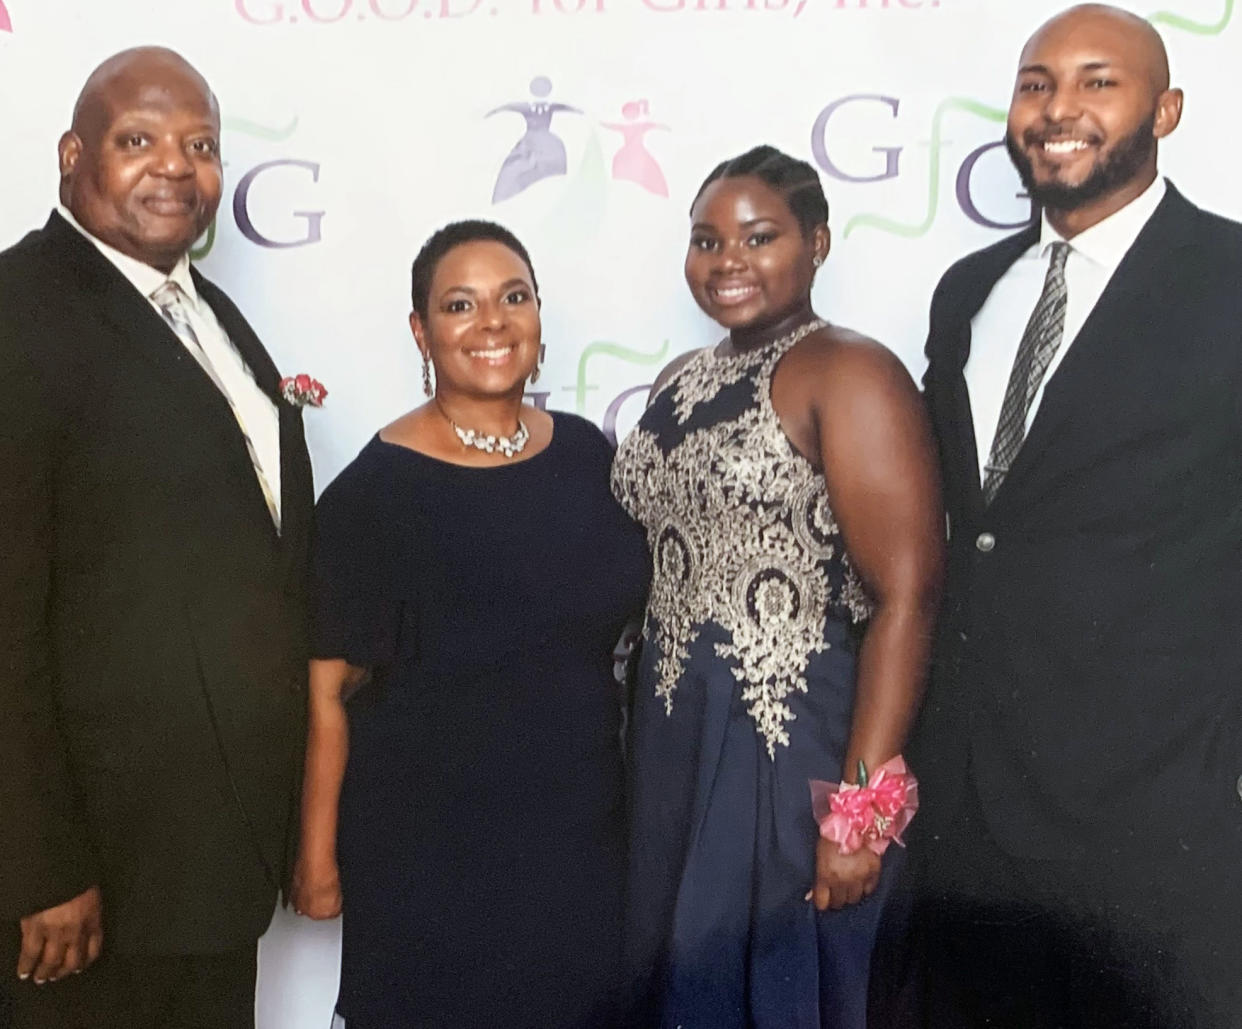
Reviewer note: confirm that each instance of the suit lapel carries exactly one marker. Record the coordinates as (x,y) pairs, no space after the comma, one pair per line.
(296,491)
(1112,330)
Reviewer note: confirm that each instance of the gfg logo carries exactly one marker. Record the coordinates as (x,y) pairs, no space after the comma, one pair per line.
(886,163)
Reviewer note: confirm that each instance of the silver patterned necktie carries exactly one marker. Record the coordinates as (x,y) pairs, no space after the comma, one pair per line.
(171,301)
(1039,345)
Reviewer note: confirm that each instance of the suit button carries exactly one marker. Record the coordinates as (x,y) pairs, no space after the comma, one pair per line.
(1238,785)
(985,542)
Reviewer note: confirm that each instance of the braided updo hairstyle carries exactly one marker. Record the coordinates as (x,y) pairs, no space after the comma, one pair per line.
(797,181)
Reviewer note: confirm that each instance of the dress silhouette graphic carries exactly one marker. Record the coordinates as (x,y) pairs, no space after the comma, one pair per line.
(539,154)
(633,162)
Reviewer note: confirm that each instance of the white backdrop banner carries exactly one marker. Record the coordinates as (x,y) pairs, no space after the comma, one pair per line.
(354,128)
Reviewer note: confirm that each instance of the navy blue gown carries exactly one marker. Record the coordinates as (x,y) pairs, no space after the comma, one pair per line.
(481,830)
(745,692)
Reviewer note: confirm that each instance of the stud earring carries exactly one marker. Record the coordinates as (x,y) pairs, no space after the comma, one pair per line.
(428,388)
(817,260)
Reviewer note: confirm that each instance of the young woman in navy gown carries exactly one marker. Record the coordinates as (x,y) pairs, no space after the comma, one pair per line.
(787,482)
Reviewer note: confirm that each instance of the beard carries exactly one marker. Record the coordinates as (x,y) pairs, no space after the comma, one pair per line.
(1113,171)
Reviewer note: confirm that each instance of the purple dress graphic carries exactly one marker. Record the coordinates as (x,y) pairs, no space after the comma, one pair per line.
(633,162)
(539,154)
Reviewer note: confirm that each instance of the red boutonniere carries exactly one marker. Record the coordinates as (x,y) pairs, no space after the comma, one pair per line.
(302,391)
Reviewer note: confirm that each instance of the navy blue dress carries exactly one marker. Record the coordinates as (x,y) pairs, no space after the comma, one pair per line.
(481,838)
(745,692)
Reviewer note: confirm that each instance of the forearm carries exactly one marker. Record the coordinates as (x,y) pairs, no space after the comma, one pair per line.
(892,672)
(327,751)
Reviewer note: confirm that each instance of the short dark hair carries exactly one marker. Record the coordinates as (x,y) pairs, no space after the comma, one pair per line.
(452,235)
(797,181)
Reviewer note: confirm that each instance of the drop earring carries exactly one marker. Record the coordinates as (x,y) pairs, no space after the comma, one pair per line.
(428,388)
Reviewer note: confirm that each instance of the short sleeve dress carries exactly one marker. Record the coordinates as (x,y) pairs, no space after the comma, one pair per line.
(480,837)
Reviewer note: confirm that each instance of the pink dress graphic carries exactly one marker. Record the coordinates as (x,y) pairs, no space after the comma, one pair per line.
(540,153)
(633,162)
(6,24)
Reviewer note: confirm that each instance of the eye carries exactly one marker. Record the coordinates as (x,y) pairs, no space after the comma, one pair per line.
(205,147)
(132,141)
(760,239)
(704,243)
(458,306)
(1032,86)
(1100,83)
(520,295)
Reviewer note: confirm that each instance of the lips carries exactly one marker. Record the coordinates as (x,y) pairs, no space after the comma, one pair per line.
(169,206)
(492,355)
(732,294)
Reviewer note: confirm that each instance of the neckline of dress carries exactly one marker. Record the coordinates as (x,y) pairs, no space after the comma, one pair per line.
(784,342)
(552,442)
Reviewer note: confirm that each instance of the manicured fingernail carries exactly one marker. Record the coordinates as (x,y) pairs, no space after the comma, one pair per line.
(40,982)
(77,971)
(809,894)
(23,976)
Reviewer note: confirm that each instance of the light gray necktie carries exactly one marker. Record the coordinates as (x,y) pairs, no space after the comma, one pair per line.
(1039,345)
(171,301)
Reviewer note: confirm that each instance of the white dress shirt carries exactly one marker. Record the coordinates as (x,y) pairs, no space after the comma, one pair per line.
(997,329)
(256,410)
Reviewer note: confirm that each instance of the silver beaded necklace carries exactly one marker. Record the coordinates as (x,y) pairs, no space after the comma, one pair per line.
(509,446)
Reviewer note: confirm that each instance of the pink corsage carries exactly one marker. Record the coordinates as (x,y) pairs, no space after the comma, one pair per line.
(872,813)
(302,391)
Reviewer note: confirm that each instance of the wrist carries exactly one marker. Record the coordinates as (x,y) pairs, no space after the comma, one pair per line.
(871,813)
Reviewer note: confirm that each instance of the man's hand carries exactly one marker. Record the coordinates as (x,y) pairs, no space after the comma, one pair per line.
(842,880)
(63,939)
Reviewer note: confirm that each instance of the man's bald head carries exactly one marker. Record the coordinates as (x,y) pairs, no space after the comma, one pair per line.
(140,166)
(123,74)
(1135,35)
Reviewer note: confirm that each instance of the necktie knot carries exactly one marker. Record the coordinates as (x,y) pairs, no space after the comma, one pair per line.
(1060,254)
(168,295)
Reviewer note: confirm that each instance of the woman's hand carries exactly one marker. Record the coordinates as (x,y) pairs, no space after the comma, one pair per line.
(316,888)
(842,879)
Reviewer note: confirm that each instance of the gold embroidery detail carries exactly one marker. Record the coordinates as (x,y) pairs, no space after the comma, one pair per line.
(741,534)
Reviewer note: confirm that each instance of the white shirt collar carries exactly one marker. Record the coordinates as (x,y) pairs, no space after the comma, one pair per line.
(142,276)
(1107,241)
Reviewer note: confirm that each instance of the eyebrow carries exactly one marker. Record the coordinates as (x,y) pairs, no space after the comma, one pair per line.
(1043,69)
(507,284)
(745,225)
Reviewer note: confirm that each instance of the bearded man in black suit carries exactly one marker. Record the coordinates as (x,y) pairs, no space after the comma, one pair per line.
(1081,744)
(157,497)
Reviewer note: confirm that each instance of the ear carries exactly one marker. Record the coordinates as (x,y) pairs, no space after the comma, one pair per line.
(68,150)
(416,328)
(1168,112)
(821,238)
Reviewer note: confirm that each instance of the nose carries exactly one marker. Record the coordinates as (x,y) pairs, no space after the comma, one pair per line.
(733,256)
(1061,105)
(492,315)
(171,159)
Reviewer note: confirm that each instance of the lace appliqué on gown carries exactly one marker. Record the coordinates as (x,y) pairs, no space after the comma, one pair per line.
(741,535)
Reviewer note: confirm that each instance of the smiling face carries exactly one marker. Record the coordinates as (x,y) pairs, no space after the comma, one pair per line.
(750,265)
(481,329)
(1090,101)
(140,169)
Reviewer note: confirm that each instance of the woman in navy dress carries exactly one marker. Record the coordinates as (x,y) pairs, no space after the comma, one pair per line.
(473,574)
(787,482)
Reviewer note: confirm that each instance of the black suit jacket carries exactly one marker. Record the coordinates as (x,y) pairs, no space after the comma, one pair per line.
(152,621)
(1089,664)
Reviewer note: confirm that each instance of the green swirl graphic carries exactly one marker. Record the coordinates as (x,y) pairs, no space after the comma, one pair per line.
(897,228)
(1199,28)
(207,241)
(626,354)
(253,128)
